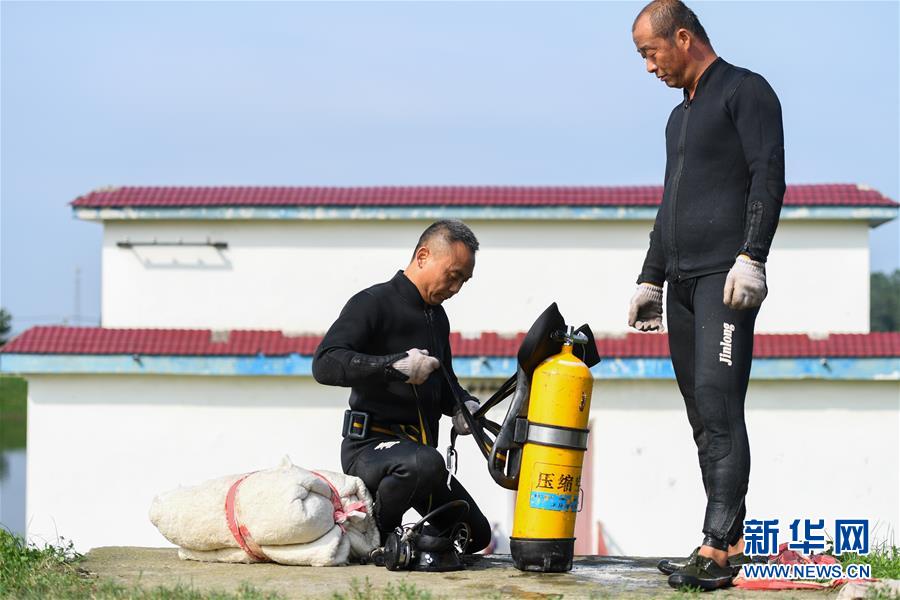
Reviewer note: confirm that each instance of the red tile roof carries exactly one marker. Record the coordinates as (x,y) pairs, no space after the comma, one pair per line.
(174,342)
(198,342)
(179,197)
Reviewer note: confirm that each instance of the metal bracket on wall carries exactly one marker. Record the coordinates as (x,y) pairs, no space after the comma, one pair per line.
(127,244)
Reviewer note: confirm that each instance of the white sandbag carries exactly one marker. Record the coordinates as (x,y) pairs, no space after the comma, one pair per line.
(286,514)
(332,549)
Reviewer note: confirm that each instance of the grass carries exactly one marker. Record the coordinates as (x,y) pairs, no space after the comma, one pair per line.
(688,591)
(876,593)
(28,572)
(13,394)
(885,561)
(365,591)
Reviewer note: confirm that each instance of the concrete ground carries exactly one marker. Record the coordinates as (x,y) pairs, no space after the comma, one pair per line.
(491,576)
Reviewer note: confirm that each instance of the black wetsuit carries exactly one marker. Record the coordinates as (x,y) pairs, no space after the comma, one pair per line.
(723,192)
(402,469)
(724,177)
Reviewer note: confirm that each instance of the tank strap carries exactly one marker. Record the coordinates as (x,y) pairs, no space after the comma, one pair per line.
(555,436)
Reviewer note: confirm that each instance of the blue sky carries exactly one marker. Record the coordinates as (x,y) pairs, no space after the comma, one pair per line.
(167,93)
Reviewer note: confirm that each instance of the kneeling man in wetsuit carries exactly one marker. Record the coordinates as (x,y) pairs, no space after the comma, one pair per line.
(388,345)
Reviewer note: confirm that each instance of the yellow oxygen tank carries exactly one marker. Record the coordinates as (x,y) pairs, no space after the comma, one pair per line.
(555,439)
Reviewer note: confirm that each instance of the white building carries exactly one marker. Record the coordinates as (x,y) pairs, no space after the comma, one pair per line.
(280,241)
(125,411)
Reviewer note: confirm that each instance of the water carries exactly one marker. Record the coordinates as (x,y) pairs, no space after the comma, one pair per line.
(12,490)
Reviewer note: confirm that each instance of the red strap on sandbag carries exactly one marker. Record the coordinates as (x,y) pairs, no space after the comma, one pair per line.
(240,532)
(340,513)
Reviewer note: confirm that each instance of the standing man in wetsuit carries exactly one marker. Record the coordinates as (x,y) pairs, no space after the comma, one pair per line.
(388,345)
(724,185)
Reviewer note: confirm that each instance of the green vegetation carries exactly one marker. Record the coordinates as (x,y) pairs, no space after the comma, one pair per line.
(13,395)
(28,572)
(884,301)
(885,561)
(880,593)
(365,591)
(5,325)
(688,591)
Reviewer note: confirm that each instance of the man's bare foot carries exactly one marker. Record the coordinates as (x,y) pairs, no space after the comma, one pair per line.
(737,548)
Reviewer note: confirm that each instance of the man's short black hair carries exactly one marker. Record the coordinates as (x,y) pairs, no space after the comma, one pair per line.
(668,16)
(451,231)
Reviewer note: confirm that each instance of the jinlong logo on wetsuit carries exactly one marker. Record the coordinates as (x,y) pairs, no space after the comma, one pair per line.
(725,354)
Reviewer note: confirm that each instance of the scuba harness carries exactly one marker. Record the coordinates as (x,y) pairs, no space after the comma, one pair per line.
(544,432)
(539,448)
(501,445)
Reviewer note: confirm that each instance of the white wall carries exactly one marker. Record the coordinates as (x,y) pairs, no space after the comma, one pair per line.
(819,450)
(818,278)
(100,448)
(296,276)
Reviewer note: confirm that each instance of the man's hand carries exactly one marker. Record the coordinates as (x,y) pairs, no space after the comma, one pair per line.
(416,365)
(459,422)
(745,286)
(645,311)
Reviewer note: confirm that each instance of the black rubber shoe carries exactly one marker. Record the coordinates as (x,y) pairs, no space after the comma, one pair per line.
(667,567)
(701,572)
(736,561)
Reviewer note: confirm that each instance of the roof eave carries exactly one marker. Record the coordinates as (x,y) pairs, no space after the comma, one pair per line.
(873,215)
(469,367)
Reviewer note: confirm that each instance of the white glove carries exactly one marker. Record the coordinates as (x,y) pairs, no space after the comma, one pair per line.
(416,365)
(645,310)
(459,422)
(745,286)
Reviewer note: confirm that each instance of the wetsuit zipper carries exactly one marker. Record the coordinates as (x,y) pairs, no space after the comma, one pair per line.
(429,320)
(423,436)
(678,170)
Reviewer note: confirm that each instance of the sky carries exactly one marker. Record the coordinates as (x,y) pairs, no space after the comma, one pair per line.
(416,93)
